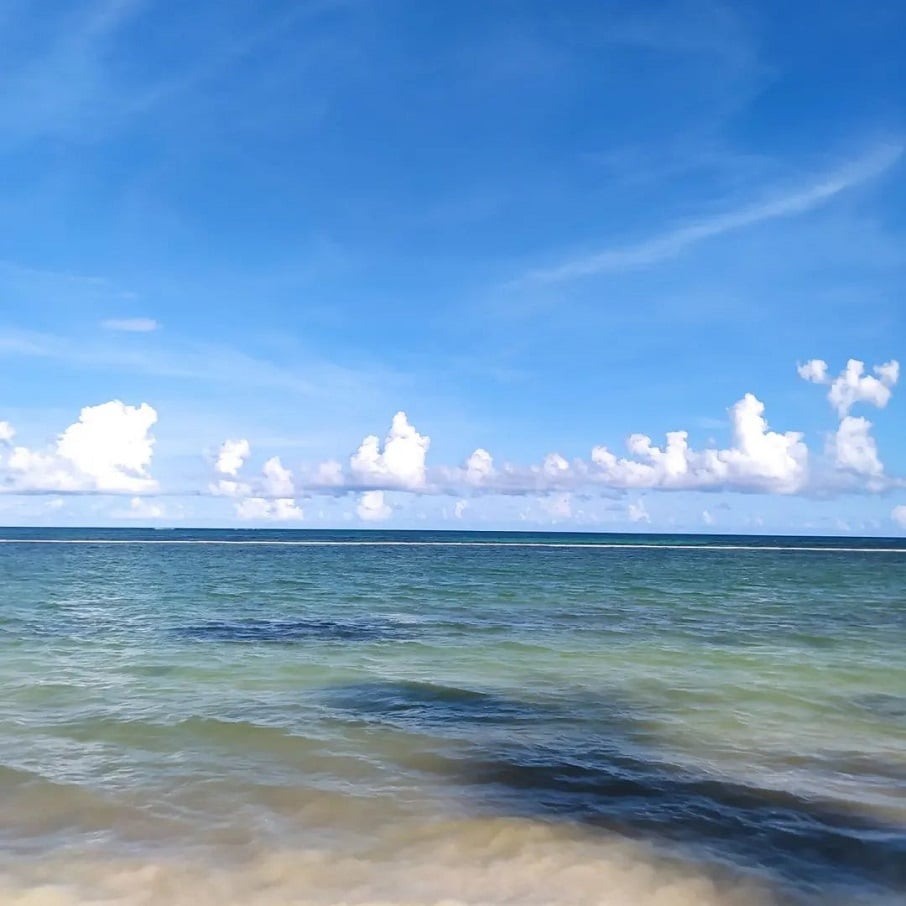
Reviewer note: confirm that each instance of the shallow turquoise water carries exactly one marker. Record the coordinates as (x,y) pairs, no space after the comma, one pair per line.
(395,718)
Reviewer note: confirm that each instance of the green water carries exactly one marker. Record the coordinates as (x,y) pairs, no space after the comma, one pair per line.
(291,717)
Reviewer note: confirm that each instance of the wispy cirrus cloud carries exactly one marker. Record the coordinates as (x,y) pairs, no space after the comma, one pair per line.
(672,243)
(131,325)
(212,363)
(68,79)
(61,84)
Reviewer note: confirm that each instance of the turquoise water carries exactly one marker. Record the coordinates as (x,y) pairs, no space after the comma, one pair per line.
(450,718)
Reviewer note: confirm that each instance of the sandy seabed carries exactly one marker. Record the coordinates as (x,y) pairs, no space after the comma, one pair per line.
(468,862)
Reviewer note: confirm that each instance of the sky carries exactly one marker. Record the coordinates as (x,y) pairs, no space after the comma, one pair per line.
(598,266)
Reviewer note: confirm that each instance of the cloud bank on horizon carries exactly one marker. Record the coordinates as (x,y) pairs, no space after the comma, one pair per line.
(109,451)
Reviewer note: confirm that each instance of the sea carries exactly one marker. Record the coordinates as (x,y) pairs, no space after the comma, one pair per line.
(383,718)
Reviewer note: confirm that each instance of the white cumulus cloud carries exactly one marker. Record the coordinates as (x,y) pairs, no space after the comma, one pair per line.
(401,462)
(759,459)
(34,470)
(278,480)
(756,459)
(898,514)
(109,449)
(229,487)
(282,509)
(815,371)
(329,474)
(112,444)
(275,484)
(855,449)
(372,508)
(232,456)
(853,385)
(637,512)
(554,465)
(479,467)
(141,508)
(6,433)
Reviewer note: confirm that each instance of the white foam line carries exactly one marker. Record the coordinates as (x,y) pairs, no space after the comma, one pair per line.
(592,545)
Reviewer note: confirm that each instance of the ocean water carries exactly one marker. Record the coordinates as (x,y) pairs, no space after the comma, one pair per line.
(450,718)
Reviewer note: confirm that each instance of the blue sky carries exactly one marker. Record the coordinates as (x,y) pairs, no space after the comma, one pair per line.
(536,229)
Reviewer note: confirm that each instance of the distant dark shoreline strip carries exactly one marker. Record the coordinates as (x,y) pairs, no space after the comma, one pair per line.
(591,545)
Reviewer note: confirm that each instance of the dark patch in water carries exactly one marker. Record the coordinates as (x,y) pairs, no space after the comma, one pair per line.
(599,774)
(289,631)
(884,704)
(428,703)
(802,839)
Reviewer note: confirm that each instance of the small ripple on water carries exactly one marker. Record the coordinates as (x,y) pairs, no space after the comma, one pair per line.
(288,631)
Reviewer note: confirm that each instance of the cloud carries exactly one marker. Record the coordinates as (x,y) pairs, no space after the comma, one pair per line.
(30,470)
(814,371)
(479,467)
(206,363)
(554,465)
(855,450)
(228,487)
(852,385)
(131,325)
(898,515)
(283,509)
(758,460)
(64,72)
(371,507)
(112,444)
(108,450)
(232,456)
(852,449)
(478,473)
(707,517)
(278,480)
(401,463)
(140,508)
(637,512)
(269,496)
(329,475)
(459,508)
(559,506)
(889,372)
(670,244)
